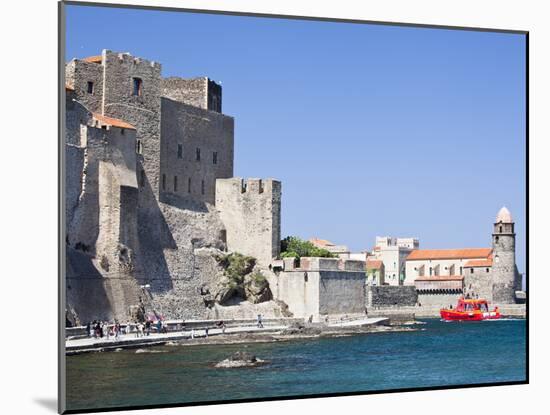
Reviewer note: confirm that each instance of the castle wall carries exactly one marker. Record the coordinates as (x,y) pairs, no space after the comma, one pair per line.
(192,92)
(143,112)
(341,292)
(250,211)
(102,226)
(300,294)
(77,74)
(197,92)
(320,287)
(390,296)
(187,131)
(74,163)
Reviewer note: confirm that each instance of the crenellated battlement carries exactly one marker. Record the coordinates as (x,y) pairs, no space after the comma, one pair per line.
(250,186)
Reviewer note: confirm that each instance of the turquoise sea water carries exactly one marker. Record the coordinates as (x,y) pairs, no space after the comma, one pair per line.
(440,354)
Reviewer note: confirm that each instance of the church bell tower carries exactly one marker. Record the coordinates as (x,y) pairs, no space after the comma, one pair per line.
(505,275)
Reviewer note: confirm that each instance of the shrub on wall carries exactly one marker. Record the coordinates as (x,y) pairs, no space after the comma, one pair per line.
(294,247)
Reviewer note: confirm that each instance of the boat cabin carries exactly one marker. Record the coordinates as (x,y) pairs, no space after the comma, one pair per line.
(472,305)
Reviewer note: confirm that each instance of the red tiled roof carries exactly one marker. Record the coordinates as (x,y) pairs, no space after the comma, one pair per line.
(374,264)
(93,59)
(467,253)
(114,122)
(480,262)
(441,278)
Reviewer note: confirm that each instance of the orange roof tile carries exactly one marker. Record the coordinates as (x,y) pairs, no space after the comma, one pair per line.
(93,59)
(320,242)
(68,88)
(441,278)
(374,264)
(480,262)
(466,253)
(114,122)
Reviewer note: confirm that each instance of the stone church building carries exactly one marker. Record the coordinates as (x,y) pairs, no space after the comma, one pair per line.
(489,273)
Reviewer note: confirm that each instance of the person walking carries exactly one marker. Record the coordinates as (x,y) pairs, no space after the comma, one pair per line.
(260,324)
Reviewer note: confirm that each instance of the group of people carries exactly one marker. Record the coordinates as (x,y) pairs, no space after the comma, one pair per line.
(101,329)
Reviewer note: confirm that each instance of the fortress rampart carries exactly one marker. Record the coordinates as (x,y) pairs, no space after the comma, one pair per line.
(143,155)
(251,210)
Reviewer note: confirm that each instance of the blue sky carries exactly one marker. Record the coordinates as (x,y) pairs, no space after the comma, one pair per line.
(373,130)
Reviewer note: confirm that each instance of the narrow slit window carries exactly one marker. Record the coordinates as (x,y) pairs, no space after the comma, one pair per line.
(189,185)
(180,151)
(90,87)
(164,182)
(198,154)
(215,157)
(138,86)
(139,147)
(175,184)
(202,187)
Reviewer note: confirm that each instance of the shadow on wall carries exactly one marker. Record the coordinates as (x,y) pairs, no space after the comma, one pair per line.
(85,288)
(183,202)
(154,236)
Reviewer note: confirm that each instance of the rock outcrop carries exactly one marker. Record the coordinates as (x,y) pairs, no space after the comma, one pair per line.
(240,359)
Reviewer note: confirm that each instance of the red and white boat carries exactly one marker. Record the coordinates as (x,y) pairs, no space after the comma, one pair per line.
(470,310)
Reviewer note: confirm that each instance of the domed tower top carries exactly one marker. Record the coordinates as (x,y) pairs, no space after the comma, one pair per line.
(504,224)
(504,216)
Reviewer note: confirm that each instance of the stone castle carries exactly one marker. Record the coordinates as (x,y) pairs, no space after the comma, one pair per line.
(150,192)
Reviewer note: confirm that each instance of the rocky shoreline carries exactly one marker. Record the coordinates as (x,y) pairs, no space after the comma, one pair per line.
(290,333)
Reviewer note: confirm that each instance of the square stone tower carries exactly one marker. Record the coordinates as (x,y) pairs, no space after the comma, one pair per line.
(251,213)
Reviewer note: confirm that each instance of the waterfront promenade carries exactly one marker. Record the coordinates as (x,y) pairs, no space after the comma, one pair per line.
(82,344)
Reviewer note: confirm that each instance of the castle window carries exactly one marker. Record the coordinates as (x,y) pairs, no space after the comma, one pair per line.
(471,270)
(189,185)
(486,269)
(180,151)
(90,87)
(175,183)
(460,270)
(139,147)
(496,239)
(138,86)
(122,131)
(215,157)
(500,229)
(202,187)
(198,154)
(164,182)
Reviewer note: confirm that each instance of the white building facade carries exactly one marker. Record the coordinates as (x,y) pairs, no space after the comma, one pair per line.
(393,253)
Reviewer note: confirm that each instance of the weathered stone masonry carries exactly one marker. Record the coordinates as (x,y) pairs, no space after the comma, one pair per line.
(143,157)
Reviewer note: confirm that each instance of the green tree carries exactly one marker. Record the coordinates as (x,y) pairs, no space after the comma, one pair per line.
(294,247)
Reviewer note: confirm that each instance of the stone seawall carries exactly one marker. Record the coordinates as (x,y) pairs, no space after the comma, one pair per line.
(507,310)
(390,296)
